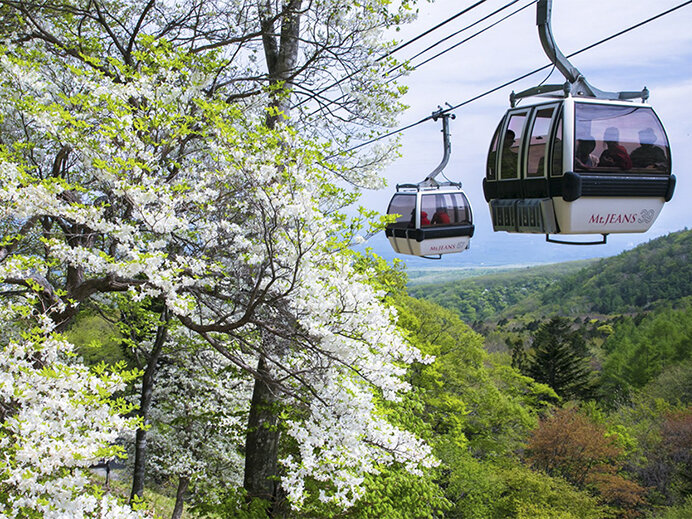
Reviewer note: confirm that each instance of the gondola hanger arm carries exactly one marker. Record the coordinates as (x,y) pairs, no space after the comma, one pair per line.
(576,84)
(445,115)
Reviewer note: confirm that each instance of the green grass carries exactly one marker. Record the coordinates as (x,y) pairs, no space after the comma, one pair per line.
(159,500)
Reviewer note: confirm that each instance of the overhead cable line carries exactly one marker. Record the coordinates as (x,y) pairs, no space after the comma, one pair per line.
(439,42)
(390,52)
(432,29)
(584,49)
(515,80)
(331,102)
(465,40)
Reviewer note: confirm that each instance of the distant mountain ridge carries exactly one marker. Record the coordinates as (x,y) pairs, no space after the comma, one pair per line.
(658,270)
(634,280)
(483,297)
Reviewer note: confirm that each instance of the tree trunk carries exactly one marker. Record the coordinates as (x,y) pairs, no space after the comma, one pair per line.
(281,54)
(183,483)
(139,470)
(262,441)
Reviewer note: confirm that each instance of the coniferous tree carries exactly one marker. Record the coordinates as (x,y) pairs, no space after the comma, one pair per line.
(519,356)
(559,359)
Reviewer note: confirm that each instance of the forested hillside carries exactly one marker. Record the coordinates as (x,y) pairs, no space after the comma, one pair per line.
(482,297)
(613,340)
(655,271)
(630,282)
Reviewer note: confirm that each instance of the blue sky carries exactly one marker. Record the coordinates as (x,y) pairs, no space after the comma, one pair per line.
(657,55)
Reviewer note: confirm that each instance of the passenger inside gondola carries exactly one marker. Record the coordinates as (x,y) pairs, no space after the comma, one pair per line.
(508,162)
(509,156)
(615,155)
(441,216)
(584,159)
(424,218)
(647,155)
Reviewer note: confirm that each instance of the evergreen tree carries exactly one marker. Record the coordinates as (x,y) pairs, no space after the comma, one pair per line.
(559,359)
(519,356)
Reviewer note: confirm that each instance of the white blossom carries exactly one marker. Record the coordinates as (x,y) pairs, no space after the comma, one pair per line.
(230,231)
(57,423)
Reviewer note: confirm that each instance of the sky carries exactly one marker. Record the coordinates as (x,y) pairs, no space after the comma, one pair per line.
(657,55)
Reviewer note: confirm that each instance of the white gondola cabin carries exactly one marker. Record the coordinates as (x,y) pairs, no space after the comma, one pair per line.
(578,160)
(432,218)
(578,166)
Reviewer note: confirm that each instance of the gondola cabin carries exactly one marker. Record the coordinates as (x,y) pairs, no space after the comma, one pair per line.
(431,220)
(578,166)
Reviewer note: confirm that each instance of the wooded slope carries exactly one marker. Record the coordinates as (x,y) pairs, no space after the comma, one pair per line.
(634,280)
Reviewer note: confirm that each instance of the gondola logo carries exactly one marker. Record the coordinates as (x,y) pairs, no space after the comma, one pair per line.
(443,248)
(613,218)
(646,216)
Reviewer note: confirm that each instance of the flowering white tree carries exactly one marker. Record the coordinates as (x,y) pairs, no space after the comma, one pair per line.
(56,419)
(199,416)
(143,152)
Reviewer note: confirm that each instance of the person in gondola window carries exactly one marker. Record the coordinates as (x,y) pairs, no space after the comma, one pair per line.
(615,155)
(441,217)
(509,156)
(647,155)
(424,218)
(583,158)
